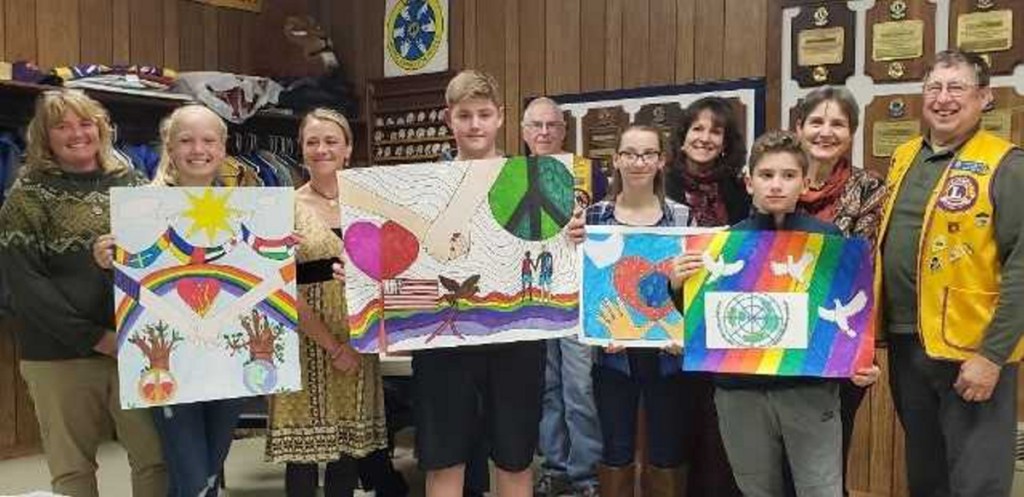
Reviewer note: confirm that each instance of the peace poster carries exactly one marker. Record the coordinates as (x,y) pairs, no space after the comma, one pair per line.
(780,303)
(625,297)
(459,253)
(204,289)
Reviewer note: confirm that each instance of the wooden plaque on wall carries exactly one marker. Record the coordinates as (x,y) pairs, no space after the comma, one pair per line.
(601,127)
(570,132)
(823,41)
(664,116)
(992,28)
(900,40)
(1006,117)
(888,122)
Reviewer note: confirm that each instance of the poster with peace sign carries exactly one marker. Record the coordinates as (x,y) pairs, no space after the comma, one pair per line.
(459,253)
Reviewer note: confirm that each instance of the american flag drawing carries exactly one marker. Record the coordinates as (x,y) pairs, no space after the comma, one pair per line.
(407,293)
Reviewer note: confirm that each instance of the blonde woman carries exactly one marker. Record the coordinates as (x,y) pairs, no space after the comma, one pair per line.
(338,416)
(196,437)
(67,345)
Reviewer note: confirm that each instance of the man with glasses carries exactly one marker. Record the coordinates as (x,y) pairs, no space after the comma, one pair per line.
(952,276)
(570,437)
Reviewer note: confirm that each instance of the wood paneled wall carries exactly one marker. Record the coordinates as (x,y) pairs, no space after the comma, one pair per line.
(547,47)
(179,34)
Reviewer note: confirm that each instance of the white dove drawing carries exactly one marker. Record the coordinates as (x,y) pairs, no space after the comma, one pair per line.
(795,269)
(604,253)
(841,313)
(718,268)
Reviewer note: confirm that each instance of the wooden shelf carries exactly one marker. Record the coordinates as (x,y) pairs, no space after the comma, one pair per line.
(411,159)
(414,141)
(397,97)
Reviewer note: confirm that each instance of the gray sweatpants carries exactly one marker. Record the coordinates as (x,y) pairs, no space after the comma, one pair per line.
(762,428)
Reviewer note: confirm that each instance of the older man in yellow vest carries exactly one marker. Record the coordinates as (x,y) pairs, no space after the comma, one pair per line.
(952,281)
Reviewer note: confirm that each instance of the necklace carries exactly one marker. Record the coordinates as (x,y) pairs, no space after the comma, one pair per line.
(333,201)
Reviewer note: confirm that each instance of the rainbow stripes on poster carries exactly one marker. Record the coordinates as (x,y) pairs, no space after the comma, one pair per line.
(767,269)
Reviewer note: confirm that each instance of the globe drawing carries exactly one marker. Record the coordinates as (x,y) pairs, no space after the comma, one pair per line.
(752,321)
(259,376)
(532,197)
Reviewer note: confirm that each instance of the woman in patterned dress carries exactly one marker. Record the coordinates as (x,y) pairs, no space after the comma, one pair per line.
(849,197)
(338,416)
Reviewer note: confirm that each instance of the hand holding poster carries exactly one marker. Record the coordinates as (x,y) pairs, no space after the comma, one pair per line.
(625,298)
(459,253)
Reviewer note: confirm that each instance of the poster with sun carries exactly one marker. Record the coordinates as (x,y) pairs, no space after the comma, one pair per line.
(204,289)
(459,253)
(780,303)
(625,297)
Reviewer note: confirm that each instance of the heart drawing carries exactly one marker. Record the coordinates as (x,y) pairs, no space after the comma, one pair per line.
(198,292)
(381,252)
(644,286)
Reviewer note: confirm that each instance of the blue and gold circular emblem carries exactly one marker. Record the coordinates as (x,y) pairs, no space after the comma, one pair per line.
(415,31)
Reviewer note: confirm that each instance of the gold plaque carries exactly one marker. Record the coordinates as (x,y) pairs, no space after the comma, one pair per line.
(897,40)
(887,135)
(985,31)
(999,122)
(817,47)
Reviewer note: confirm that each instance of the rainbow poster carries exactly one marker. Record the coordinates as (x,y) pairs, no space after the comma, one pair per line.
(204,289)
(459,253)
(780,303)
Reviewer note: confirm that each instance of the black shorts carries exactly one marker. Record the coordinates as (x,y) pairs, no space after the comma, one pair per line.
(488,394)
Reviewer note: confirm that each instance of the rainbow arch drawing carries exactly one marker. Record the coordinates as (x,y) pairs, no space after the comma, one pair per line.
(279,305)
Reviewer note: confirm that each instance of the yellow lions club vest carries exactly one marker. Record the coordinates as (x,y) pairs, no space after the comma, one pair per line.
(958,269)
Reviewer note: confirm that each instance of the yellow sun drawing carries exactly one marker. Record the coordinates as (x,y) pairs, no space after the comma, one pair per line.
(209,213)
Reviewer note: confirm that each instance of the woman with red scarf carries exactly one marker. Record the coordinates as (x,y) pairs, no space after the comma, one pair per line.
(707,177)
(850,197)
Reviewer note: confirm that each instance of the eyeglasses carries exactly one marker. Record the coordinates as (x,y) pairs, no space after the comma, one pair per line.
(954,89)
(540,125)
(633,157)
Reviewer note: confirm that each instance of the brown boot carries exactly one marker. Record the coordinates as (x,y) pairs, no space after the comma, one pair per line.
(615,481)
(665,482)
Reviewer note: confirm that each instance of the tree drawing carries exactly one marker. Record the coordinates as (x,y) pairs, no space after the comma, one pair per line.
(156,341)
(260,339)
(457,292)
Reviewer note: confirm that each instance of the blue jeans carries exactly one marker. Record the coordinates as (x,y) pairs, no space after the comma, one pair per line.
(570,434)
(667,413)
(196,438)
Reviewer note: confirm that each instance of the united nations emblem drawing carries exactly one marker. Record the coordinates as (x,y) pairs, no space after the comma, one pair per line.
(752,320)
(415,33)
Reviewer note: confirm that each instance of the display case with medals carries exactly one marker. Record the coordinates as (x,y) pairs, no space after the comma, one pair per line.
(900,37)
(992,28)
(407,119)
(889,122)
(823,44)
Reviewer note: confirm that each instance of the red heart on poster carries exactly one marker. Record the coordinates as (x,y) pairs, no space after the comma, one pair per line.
(198,292)
(644,286)
(381,252)
(399,249)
